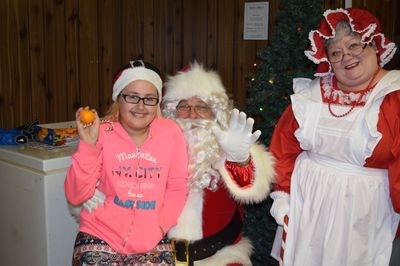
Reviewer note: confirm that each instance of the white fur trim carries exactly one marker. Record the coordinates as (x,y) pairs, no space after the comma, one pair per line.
(189,225)
(264,175)
(194,82)
(136,73)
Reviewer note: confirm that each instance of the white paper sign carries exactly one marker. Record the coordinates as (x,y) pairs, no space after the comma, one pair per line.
(256,21)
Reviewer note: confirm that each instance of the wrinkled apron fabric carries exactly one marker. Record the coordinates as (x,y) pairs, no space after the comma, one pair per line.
(340,211)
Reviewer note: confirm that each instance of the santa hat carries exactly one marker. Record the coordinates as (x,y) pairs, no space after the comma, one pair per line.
(136,70)
(361,22)
(195,81)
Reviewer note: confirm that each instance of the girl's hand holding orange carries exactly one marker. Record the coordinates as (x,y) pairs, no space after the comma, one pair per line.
(88,124)
(87,116)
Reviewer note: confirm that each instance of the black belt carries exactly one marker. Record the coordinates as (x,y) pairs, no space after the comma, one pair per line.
(186,252)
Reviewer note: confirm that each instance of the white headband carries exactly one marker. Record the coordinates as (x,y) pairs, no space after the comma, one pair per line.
(136,73)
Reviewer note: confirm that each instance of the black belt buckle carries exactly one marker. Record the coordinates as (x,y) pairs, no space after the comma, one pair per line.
(181,250)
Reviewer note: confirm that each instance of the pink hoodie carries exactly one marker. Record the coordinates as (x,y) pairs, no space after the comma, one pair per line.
(145,187)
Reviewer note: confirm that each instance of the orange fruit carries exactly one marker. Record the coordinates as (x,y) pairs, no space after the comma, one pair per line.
(87,116)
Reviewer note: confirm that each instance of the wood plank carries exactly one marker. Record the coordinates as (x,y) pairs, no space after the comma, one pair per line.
(22,101)
(333,4)
(72,57)
(177,31)
(5,80)
(245,59)
(165,34)
(160,35)
(225,50)
(55,66)
(212,34)
(199,33)
(70,50)
(88,53)
(148,30)
(110,50)
(8,68)
(188,29)
(37,61)
(132,30)
(15,95)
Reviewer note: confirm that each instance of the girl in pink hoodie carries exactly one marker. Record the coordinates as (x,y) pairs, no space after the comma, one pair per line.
(138,160)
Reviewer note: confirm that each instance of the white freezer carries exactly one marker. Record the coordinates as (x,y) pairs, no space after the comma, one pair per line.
(36,228)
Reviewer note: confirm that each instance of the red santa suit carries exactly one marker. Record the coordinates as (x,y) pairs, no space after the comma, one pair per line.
(209,230)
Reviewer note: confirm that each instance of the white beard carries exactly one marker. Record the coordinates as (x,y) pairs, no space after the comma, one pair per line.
(203,150)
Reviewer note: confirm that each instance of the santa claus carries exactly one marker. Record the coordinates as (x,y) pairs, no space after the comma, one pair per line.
(227,169)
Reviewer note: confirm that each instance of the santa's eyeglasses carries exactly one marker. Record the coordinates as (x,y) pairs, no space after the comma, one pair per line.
(199,109)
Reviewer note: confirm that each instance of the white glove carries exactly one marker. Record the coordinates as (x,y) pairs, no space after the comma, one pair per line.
(75,211)
(280,206)
(238,138)
(95,201)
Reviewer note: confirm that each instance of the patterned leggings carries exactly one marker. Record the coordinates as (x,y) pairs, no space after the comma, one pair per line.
(90,250)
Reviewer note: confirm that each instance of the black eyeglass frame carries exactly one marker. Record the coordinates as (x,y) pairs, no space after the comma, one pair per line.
(143,99)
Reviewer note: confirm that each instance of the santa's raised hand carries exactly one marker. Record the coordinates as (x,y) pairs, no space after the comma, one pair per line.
(238,138)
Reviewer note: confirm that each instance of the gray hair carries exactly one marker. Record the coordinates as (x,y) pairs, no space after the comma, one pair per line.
(342,28)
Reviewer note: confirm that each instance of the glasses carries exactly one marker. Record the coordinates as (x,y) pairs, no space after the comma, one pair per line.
(129,98)
(354,49)
(199,109)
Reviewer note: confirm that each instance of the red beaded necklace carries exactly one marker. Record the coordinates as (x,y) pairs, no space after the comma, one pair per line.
(363,92)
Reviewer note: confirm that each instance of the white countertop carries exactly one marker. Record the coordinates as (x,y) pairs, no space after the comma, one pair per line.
(38,156)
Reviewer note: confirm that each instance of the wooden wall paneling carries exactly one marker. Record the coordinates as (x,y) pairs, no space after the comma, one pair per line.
(55,61)
(14,97)
(7,53)
(245,57)
(158,34)
(163,35)
(199,33)
(8,73)
(240,64)
(132,30)
(72,57)
(177,32)
(71,49)
(110,50)
(212,34)
(88,53)
(274,6)
(23,96)
(188,30)
(226,35)
(386,12)
(333,4)
(4,66)
(173,29)
(37,61)
(148,30)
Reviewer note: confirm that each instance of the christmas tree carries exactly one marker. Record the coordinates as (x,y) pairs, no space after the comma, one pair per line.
(269,90)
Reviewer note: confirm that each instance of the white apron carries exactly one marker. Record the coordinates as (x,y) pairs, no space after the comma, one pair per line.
(340,212)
